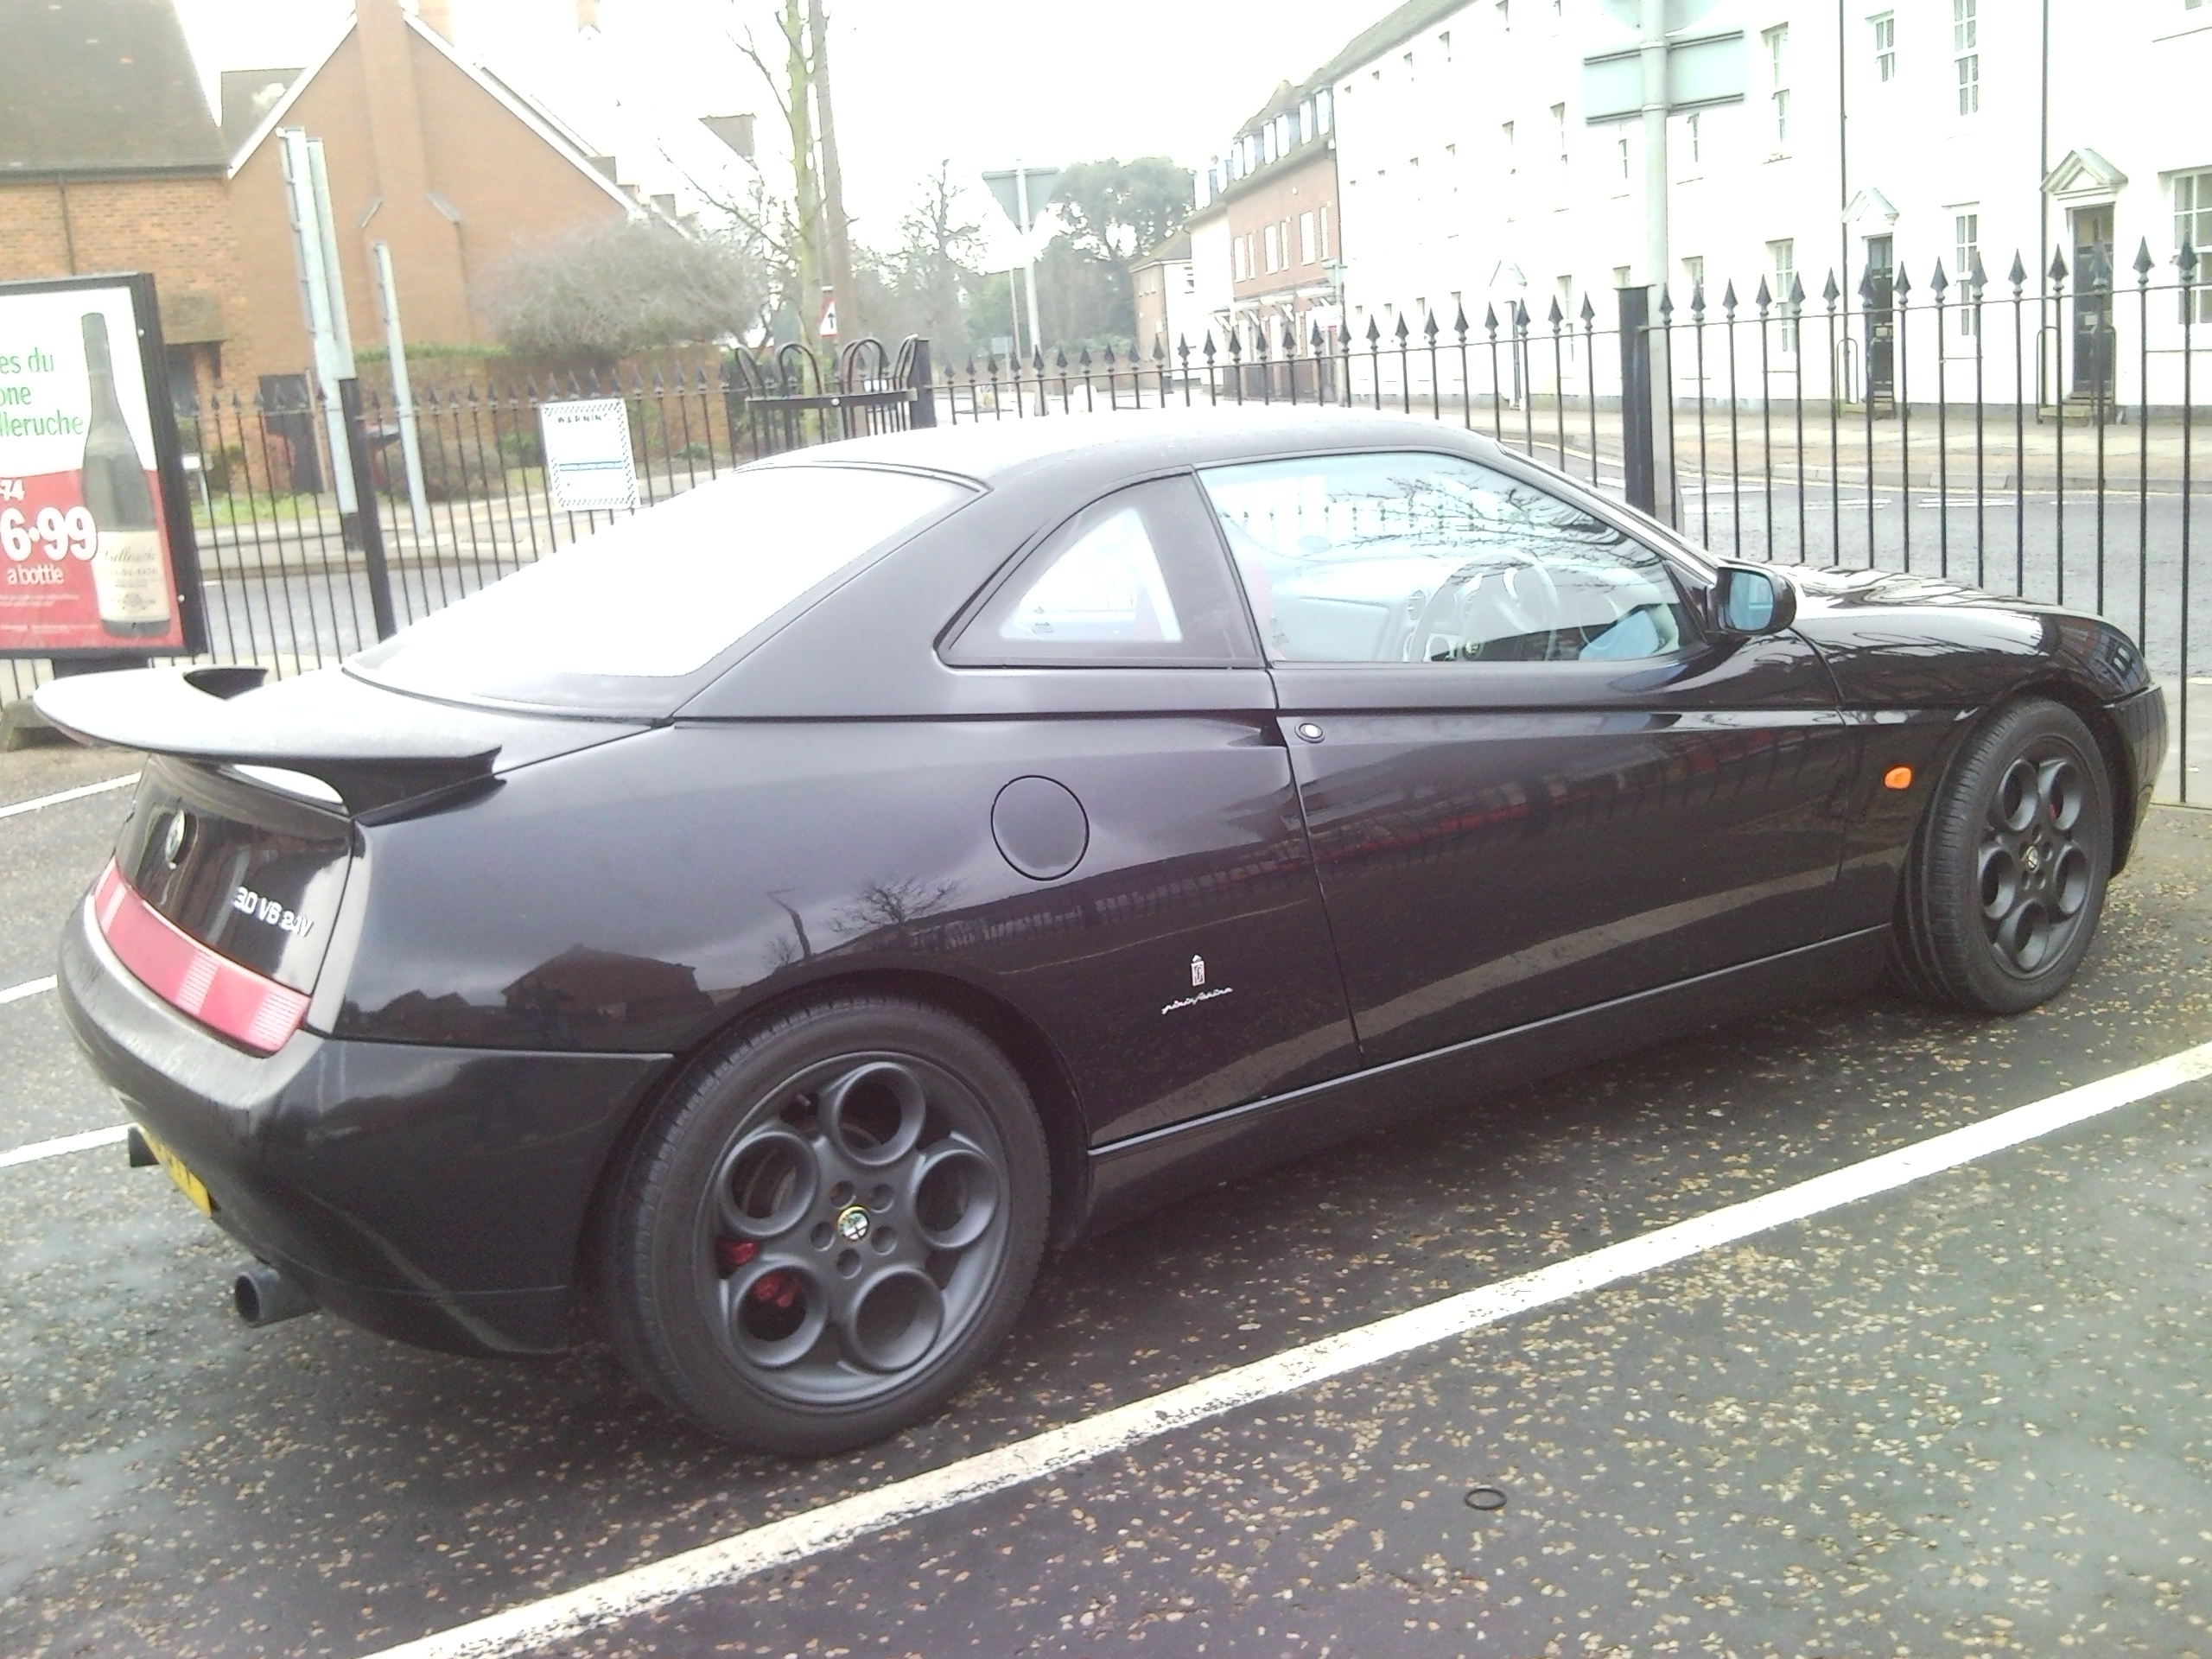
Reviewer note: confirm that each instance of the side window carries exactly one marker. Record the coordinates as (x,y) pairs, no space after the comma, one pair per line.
(1428,558)
(1136,578)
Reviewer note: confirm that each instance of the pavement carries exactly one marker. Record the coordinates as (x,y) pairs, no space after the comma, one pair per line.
(1964,1415)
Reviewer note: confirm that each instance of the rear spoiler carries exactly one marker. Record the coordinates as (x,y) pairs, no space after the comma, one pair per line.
(376,750)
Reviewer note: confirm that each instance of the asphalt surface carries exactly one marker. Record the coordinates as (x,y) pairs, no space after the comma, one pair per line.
(1966,1416)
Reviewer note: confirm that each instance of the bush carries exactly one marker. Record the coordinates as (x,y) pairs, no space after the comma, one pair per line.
(626,289)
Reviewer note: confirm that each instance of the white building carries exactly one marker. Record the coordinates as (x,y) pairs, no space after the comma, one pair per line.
(1470,176)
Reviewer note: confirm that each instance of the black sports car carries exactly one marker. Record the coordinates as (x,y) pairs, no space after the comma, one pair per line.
(761,928)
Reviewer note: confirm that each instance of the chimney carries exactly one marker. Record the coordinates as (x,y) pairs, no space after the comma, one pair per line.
(437,15)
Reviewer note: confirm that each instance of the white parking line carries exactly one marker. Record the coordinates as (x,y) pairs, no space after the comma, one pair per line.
(814,1532)
(28,988)
(84,1143)
(76,794)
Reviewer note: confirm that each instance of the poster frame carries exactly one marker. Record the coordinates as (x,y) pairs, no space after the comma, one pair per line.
(183,545)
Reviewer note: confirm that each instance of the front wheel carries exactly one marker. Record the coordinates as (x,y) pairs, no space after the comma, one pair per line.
(2006,879)
(820,1236)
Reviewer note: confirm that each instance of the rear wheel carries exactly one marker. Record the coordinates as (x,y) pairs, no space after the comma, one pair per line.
(820,1238)
(2006,881)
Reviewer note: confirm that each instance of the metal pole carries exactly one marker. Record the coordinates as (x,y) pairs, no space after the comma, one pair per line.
(403,395)
(1657,185)
(1029,249)
(308,250)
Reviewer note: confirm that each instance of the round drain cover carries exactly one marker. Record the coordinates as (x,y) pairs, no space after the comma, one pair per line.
(1039,827)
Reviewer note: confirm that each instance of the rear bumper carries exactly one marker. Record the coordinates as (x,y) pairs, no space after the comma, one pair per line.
(2142,723)
(434,1195)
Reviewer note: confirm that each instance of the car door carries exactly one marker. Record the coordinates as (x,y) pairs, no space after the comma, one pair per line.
(1532,784)
(1174,940)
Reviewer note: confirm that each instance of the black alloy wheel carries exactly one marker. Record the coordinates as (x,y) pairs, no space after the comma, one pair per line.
(2007,876)
(819,1237)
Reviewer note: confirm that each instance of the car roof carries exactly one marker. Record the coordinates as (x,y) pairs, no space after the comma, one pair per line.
(998,451)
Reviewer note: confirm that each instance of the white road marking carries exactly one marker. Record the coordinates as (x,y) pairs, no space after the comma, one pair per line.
(832,1526)
(84,1143)
(76,794)
(28,988)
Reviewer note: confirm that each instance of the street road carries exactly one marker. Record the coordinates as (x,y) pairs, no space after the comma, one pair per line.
(1968,1413)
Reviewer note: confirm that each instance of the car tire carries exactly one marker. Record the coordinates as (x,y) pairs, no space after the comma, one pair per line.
(2005,879)
(827,1226)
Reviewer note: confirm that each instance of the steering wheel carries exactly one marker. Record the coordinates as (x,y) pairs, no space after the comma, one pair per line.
(1524,611)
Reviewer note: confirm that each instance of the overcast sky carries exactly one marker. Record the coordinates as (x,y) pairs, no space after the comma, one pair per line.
(980,82)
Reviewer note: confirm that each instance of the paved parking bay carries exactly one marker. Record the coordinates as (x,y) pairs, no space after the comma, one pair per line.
(1967,1414)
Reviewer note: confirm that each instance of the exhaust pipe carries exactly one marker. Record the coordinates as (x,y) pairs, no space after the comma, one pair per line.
(263,1296)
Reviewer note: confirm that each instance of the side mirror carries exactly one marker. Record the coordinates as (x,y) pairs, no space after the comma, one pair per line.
(1752,598)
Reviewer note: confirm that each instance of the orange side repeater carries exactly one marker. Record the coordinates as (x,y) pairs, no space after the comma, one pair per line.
(1897,778)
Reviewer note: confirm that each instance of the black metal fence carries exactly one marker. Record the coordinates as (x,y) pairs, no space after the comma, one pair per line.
(2032,435)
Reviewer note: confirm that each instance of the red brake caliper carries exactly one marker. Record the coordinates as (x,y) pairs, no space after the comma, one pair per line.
(780,1288)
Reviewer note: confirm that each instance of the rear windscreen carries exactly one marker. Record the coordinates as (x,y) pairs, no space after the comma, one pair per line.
(623,618)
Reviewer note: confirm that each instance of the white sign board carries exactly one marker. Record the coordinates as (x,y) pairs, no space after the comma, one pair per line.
(1701,72)
(588,467)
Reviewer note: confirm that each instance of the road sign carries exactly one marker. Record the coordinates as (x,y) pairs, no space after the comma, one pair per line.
(1008,191)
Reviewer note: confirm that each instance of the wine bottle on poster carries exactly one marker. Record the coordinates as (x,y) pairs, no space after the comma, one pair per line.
(130,575)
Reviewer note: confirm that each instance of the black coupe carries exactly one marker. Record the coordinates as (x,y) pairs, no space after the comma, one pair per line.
(758,930)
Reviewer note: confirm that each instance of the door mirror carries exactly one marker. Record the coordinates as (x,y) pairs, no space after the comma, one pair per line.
(1751,599)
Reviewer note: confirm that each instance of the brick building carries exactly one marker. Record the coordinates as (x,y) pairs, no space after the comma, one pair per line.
(1271,214)
(111,161)
(428,152)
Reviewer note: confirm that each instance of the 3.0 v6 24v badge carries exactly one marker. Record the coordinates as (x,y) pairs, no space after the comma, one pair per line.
(269,911)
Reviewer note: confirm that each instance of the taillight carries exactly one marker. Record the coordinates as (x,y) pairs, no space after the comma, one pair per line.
(245,1007)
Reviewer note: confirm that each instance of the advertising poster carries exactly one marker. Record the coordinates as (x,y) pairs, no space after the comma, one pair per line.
(93,560)
(587,460)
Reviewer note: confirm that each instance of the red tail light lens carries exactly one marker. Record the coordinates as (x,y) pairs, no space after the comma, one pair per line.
(243,1006)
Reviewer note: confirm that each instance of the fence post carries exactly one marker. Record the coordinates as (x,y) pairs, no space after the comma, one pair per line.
(1642,480)
(370,524)
(922,381)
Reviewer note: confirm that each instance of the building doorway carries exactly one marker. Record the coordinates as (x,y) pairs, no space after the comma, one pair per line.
(1880,297)
(2093,328)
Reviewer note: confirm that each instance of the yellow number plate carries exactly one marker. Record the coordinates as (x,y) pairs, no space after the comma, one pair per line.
(187,1183)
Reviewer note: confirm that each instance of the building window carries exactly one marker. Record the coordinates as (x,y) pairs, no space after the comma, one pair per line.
(1512,155)
(1966,51)
(1270,251)
(2193,231)
(1558,130)
(1694,124)
(1444,39)
(1694,274)
(1324,108)
(1505,15)
(1966,248)
(1782,256)
(1777,41)
(1306,243)
(1885,46)
(1621,143)
(1325,230)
